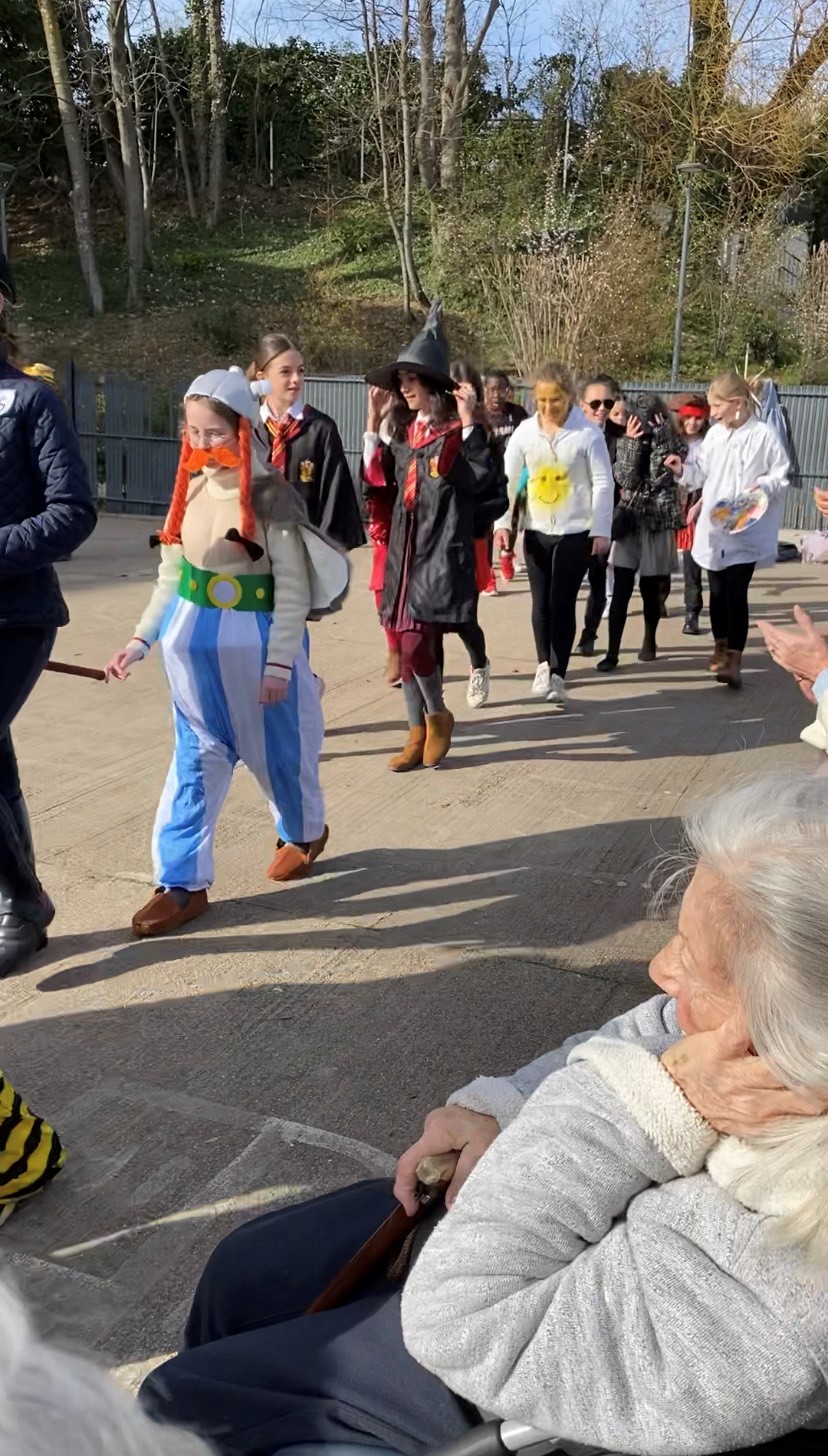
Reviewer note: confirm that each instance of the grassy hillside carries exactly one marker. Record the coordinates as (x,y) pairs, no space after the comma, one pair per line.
(334,288)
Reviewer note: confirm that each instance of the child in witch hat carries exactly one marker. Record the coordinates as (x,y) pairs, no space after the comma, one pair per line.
(241,570)
(446,487)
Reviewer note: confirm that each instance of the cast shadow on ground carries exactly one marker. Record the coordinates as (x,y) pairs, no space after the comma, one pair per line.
(567,887)
(116,1251)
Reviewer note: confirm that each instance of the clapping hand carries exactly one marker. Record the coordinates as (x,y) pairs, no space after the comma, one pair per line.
(804,654)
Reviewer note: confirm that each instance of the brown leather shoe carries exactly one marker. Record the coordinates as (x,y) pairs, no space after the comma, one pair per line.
(439,728)
(412,754)
(393,666)
(168,910)
(718,655)
(291,862)
(730,672)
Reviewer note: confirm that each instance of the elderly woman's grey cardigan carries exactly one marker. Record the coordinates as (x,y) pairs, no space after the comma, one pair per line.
(596,1279)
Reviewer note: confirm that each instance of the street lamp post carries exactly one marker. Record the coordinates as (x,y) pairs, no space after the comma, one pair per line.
(687,172)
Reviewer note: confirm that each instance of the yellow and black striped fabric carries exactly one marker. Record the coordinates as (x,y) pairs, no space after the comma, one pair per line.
(30,1150)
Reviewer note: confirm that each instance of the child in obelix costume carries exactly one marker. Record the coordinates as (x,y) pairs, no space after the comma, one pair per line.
(241,571)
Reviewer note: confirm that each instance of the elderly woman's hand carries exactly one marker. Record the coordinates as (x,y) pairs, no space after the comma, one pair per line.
(804,654)
(447,1130)
(729,1086)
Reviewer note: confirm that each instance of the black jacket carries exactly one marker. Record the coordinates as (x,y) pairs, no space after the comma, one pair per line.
(450,511)
(46,504)
(316,464)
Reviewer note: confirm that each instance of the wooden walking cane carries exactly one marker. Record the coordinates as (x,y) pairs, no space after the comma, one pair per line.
(97,673)
(433,1178)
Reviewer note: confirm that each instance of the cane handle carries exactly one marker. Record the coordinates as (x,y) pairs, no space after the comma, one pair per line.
(437,1169)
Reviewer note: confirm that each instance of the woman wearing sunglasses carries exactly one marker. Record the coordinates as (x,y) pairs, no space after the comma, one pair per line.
(599,397)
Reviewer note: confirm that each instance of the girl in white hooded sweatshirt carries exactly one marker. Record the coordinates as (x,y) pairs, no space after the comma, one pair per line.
(560,479)
(739,454)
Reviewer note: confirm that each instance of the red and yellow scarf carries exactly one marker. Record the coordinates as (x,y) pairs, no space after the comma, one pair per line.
(281,433)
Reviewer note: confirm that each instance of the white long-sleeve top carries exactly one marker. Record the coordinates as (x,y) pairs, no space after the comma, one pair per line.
(570,486)
(212,509)
(728,463)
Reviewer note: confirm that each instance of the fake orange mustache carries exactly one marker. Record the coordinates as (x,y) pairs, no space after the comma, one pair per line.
(222,455)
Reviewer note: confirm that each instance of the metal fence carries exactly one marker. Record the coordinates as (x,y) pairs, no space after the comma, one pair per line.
(129,435)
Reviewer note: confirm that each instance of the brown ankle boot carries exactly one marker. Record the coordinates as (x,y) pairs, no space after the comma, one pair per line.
(438,737)
(412,754)
(393,664)
(718,655)
(730,672)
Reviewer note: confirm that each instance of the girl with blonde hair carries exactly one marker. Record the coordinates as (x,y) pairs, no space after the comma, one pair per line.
(740,455)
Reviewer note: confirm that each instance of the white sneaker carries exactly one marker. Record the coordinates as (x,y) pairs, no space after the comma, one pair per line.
(479,682)
(320,685)
(540,687)
(557,692)
(520,568)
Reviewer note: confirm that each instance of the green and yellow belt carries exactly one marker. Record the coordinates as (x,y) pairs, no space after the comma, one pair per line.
(218,589)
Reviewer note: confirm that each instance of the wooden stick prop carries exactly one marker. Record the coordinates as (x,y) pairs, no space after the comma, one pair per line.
(96,673)
(433,1177)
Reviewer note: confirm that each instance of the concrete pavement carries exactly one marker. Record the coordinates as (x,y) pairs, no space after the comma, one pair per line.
(461,921)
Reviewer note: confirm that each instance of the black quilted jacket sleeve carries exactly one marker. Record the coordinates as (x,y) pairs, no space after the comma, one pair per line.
(46,506)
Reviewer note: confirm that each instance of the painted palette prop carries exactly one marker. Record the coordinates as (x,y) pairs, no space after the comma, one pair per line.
(741,512)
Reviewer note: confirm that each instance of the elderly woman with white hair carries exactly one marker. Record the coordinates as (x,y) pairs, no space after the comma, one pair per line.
(635,1254)
(53,1403)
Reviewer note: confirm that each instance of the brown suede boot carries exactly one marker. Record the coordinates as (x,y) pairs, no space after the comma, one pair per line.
(718,655)
(393,665)
(730,672)
(169,910)
(412,754)
(438,737)
(291,862)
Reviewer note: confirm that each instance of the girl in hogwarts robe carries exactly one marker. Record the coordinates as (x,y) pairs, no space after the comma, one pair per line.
(304,444)
(445,485)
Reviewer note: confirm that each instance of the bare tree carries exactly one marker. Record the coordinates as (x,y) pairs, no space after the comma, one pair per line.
(143,159)
(197,12)
(426,140)
(370,37)
(130,159)
(79,171)
(218,111)
(459,62)
(408,158)
(181,141)
(99,98)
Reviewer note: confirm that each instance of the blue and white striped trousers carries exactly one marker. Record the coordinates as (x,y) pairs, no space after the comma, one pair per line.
(214,659)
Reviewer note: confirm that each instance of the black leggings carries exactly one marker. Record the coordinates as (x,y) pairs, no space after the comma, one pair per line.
(654,590)
(473,638)
(556,566)
(728,602)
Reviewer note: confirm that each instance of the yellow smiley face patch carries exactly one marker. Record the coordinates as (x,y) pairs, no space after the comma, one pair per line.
(550,486)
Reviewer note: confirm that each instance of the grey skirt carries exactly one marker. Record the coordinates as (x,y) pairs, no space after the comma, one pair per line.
(650,553)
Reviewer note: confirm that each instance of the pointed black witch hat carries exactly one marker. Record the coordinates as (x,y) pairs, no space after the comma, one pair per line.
(427,355)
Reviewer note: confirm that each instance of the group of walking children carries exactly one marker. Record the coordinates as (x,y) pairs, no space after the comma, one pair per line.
(433,483)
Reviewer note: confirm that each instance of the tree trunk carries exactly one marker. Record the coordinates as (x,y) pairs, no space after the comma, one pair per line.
(408,160)
(143,159)
(81,197)
(177,120)
(198,94)
(119,68)
(218,112)
(457,73)
(100,101)
(425,140)
(371,44)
